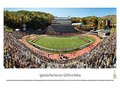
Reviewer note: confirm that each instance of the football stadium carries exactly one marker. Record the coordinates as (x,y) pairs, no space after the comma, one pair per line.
(41,40)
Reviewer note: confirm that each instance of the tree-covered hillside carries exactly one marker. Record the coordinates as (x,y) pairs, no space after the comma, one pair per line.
(91,21)
(33,19)
(40,20)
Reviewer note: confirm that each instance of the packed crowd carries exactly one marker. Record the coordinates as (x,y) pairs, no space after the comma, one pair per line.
(103,55)
(63,28)
(60,29)
(17,55)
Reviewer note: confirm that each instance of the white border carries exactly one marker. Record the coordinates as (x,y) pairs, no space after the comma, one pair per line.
(34,73)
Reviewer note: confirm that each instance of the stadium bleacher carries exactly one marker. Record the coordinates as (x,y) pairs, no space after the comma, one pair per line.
(16,55)
(63,28)
(61,25)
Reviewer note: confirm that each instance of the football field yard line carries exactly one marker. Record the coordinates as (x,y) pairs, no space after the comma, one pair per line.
(65,44)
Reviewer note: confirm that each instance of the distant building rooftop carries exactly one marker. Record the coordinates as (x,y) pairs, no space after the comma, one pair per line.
(80,24)
(61,20)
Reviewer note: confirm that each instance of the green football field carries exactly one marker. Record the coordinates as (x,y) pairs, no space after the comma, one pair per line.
(61,44)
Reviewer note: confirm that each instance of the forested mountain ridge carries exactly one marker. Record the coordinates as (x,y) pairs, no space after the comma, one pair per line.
(40,20)
(33,19)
